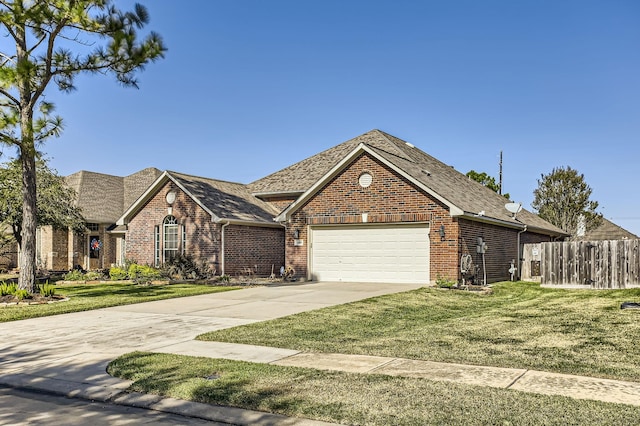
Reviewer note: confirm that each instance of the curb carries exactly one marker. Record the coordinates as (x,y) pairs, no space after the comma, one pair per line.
(119,396)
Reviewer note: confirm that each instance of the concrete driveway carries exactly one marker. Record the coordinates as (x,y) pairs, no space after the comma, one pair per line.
(69,353)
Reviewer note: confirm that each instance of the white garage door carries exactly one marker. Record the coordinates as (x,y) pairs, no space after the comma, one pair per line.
(369,253)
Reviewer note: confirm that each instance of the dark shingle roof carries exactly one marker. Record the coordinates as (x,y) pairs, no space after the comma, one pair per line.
(226,200)
(453,186)
(103,198)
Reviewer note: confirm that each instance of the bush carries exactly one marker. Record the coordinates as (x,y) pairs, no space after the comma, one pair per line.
(224,278)
(47,290)
(116,273)
(22,294)
(185,267)
(444,282)
(74,275)
(7,289)
(143,274)
(93,276)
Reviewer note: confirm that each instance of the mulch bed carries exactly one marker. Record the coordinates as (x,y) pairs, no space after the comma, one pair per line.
(34,299)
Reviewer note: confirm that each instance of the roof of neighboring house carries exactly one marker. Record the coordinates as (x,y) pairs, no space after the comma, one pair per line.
(460,193)
(224,201)
(103,198)
(608,231)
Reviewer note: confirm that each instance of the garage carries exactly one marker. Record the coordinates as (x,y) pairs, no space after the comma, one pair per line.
(370,253)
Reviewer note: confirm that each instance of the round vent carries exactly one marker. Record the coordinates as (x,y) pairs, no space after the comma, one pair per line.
(365,180)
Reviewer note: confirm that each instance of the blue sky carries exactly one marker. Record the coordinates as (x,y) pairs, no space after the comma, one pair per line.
(250,87)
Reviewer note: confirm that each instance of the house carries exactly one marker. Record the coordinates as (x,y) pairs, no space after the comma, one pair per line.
(215,221)
(103,198)
(607,230)
(374,208)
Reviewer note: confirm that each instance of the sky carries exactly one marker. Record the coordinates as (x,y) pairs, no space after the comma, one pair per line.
(250,87)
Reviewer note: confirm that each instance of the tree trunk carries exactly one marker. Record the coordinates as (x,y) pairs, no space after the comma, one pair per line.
(27,278)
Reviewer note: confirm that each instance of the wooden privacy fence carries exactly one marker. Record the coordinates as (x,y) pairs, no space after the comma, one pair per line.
(612,264)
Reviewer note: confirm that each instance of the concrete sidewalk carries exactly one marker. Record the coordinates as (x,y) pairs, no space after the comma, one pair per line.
(68,354)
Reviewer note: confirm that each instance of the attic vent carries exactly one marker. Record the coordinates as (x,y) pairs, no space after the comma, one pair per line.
(365,180)
(426,172)
(410,145)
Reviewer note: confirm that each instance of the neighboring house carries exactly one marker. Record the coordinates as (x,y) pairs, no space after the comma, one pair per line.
(103,198)
(8,249)
(215,221)
(378,209)
(606,231)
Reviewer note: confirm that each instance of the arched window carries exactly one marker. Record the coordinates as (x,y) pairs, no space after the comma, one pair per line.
(171,237)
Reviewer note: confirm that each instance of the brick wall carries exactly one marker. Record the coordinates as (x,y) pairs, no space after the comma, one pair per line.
(202,235)
(390,198)
(502,247)
(253,247)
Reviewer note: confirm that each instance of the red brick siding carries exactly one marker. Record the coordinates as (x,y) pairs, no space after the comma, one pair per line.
(253,247)
(390,198)
(280,203)
(202,235)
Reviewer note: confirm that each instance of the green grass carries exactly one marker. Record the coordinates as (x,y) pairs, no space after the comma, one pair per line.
(87,297)
(353,398)
(520,325)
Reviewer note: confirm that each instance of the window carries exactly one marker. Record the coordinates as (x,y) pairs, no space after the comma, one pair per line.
(93,227)
(171,237)
(156,244)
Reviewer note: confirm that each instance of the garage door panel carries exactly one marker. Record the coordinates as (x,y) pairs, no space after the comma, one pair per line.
(393,253)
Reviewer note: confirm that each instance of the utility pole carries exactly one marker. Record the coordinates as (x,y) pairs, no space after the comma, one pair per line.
(500,184)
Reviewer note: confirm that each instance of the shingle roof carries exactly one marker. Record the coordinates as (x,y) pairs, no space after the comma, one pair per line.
(103,198)
(608,231)
(460,191)
(227,200)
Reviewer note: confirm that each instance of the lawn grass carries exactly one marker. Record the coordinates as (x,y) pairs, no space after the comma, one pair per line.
(519,325)
(355,399)
(96,296)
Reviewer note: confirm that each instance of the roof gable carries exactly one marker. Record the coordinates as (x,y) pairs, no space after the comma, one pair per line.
(464,196)
(103,198)
(223,201)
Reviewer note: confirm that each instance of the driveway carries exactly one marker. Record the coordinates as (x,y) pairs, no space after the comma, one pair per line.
(69,353)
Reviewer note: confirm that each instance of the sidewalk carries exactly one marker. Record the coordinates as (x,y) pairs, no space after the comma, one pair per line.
(578,387)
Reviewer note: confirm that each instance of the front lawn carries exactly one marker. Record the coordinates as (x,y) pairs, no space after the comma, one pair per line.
(353,398)
(520,325)
(87,297)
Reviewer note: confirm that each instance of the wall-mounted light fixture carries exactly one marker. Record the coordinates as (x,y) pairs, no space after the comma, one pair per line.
(442,233)
(296,234)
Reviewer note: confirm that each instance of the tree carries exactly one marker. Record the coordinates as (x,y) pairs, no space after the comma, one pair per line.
(486,180)
(56,204)
(51,43)
(562,198)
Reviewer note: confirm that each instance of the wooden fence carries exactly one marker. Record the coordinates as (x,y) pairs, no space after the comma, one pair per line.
(612,264)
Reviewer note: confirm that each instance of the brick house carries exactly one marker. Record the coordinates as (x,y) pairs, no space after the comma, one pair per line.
(214,221)
(376,208)
(102,198)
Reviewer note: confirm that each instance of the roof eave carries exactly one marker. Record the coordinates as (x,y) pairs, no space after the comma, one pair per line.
(258,223)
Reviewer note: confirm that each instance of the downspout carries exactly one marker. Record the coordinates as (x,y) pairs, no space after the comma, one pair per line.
(224,225)
(519,256)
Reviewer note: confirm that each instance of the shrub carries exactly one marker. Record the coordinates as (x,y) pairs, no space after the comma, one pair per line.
(47,290)
(116,273)
(7,289)
(74,275)
(224,278)
(444,282)
(183,267)
(93,276)
(143,274)
(22,294)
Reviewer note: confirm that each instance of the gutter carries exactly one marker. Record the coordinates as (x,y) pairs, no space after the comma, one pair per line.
(224,225)
(519,256)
